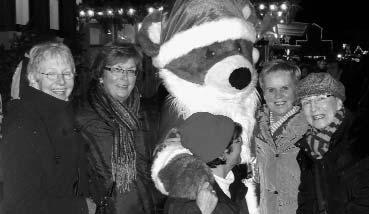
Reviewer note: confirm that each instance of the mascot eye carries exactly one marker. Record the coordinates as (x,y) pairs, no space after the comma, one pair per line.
(239,49)
(210,54)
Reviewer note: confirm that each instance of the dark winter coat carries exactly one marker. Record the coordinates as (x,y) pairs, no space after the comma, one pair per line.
(100,137)
(339,182)
(234,205)
(42,157)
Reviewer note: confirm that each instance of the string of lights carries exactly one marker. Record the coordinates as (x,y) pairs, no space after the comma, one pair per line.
(87,13)
(279,10)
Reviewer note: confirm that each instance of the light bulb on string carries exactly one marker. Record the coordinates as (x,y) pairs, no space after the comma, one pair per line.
(109,12)
(279,13)
(284,6)
(150,10)
(100,13)
(131,11)
(261,6)
(161,8)
(120,11)
(82,13)
(90,13)
(272,7)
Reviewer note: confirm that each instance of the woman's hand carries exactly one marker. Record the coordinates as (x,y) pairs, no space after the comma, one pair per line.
(206,199)
(91,206)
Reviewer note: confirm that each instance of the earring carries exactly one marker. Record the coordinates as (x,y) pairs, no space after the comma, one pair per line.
(100,80)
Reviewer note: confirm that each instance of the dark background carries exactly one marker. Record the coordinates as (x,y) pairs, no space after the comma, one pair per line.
(342,21)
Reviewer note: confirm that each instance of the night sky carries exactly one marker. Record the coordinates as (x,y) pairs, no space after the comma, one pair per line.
(343,21)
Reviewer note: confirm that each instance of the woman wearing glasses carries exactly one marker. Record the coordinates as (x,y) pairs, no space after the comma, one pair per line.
(109,120)
(42,153)
(334,155)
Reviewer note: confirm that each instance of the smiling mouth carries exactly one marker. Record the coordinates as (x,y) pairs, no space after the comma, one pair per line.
(318,117)
(59,91)
(122,86)
(281,103)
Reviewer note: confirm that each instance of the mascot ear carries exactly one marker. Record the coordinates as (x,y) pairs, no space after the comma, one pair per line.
(149,34)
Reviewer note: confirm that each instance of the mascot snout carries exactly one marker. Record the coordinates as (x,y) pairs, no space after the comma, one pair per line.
(240,78)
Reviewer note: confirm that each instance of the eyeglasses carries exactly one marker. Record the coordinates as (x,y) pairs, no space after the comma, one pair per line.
(54,76)
(318,100)
(118,71)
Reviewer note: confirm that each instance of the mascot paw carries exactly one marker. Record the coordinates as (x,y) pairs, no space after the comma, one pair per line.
(184,175)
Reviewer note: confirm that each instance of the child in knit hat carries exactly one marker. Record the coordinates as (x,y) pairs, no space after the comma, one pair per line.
(215,141)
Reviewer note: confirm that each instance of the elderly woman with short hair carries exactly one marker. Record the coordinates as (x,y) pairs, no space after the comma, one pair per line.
(42,153)
(333,159)
(279,126)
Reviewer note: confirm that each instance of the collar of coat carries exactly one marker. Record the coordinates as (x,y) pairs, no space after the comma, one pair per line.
(292,130)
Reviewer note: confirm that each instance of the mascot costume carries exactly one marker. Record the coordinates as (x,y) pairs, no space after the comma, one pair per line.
(204,52)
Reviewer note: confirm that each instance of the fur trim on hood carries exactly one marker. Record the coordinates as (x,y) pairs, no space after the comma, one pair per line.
(183,176)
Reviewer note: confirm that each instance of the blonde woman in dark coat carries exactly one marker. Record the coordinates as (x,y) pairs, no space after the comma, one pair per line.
(42,154)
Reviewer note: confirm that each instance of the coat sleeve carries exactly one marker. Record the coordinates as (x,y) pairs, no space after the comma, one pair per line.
(99,137)
(24,176)
(358,190)
(306,195)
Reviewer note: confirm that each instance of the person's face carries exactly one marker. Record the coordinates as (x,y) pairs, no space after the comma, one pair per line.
(120,80)
(320,110)
(55,77)
(234,157)
(279,92)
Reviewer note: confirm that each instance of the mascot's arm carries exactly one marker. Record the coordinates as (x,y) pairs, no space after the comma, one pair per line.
(176,172)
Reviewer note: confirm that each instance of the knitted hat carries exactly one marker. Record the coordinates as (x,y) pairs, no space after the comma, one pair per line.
(194,24)
(206,135)
(320,83)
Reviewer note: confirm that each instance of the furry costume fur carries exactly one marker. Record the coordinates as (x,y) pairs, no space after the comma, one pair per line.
(205,56)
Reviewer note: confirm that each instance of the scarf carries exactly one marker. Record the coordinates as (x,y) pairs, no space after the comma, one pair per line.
(124,116)
(275,125)
(320,140)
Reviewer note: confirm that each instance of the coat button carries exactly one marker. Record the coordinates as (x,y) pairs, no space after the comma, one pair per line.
(276,155)
(275,192)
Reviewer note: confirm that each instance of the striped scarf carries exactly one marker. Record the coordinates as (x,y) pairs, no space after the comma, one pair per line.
(124,116)
(275,125)
(320,140)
